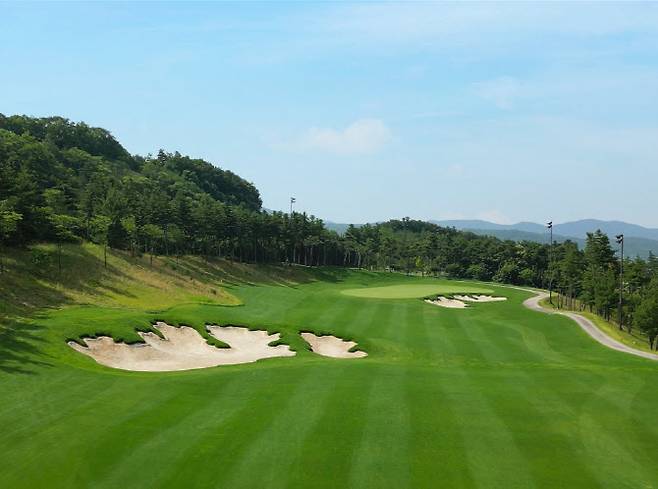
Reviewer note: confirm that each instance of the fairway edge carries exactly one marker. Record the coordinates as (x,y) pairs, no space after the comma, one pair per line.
(586,325)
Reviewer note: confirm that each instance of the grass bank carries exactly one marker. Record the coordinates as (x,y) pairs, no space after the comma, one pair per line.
(636,339)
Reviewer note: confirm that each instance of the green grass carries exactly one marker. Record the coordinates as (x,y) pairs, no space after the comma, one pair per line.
(413,290)
(490,396)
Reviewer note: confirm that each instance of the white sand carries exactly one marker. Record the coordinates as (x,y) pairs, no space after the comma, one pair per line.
(330,346)
(445,302)
(480,298)
(183,349)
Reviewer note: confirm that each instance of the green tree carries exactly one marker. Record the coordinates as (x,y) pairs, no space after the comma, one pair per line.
(66,229)
(599,282)
(507,273)
(131,229)
(100,230)
(8,224)
(571,272)
(527,276)
(477,271)
(646,315)
(152,234)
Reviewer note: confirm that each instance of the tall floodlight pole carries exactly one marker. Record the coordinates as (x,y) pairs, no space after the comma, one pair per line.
(294,244)
(620,241)
(549,225)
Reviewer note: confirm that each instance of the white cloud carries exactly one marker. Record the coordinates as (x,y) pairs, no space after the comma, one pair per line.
(616,89)
(524,142)
(501,91)
(466,22)
(360,137)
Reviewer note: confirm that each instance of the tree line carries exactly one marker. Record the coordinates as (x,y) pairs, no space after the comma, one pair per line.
(62,181)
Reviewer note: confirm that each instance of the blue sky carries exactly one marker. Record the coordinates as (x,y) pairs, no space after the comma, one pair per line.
(364,112)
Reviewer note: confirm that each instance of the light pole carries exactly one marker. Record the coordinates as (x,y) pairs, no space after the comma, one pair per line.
(294,242)
(620,242)
(549,225)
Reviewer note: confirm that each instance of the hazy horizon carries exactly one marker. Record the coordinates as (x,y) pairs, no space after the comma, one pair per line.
(366,112)
(556,223)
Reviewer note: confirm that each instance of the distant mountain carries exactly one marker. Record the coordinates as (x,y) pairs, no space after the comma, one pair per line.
(529,227)
(640,247)
(632,246)
(339,227)
(575,229)
(516,235)
(580,229)
(638,239)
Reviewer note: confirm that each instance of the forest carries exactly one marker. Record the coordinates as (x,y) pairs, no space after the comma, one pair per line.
(62,181)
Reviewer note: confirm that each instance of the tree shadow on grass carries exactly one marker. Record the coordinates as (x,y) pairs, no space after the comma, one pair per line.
(20,347)
(33,282)
(331,274)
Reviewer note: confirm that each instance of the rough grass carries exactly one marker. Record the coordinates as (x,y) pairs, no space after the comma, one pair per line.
(496,396)
(636,339)
(34,281)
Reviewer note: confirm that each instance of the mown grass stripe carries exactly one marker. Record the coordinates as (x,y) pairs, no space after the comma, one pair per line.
(224,443)
(331,446)
(156,458)
(490,448)
(615,448)
(382,458)
(71,439)
(270,456)
(548,423)
(436,453)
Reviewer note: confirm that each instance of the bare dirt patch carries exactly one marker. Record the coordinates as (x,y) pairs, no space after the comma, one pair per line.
(331,346)
(183,349)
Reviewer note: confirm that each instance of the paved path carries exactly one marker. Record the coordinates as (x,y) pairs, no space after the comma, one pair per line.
(588,326)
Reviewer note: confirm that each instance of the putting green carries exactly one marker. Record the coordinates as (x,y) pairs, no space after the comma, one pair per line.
(412,291)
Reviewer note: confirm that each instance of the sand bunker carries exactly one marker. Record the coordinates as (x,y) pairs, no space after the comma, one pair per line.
(459,301)
(480,298)
(183,349)
(445,302)
(330,346)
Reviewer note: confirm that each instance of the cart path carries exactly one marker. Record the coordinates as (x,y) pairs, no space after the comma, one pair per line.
(588,326)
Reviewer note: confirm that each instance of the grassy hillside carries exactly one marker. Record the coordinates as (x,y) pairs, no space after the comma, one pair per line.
(32,285)
(34,279)
(490,396)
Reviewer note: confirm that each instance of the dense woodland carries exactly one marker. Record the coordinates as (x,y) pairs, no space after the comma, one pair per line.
(64,182)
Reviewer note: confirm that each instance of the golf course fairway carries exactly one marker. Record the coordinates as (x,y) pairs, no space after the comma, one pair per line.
(494,395)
